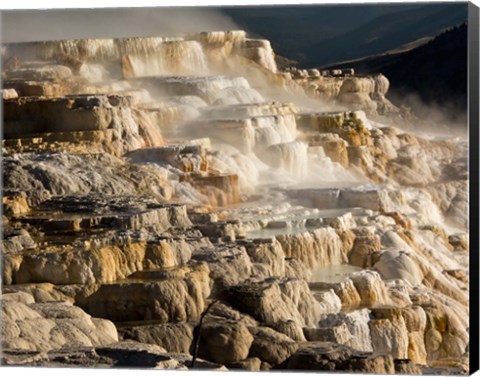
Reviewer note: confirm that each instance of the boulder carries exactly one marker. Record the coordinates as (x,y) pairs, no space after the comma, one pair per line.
(224,341)
(365,251)
(228,265)
(43,327)
(389,333)
(221,309)
(174,295)
(252,364)
(358,335)
(371,288)
(269,253)
(290,329)
(173,337)
(271,346)
(273,300)
(334,357)
(316,248)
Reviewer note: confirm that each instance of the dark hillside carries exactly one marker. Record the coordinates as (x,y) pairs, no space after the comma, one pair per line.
(388,32)
(321,35)
(294,30)
(434,73)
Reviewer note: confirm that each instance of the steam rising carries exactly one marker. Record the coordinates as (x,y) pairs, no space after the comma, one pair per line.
(43,25)
(221,91)
(447,118)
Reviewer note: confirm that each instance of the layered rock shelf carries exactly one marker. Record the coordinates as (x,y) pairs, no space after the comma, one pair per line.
(180,198)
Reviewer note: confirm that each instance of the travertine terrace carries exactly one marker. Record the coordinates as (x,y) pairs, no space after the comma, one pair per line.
(148,179)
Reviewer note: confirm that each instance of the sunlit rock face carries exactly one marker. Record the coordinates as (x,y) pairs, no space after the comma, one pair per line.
(270,346)
(43,175)
(330,356)
(9,94)
(148,180)
(225,341)
(263,300)
(321,247)
(173,337)
(184,287)
(344,87)
(34,326)
(150,56)
(260,51)
(108,122)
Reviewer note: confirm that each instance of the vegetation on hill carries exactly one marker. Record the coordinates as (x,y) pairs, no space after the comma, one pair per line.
(431,75)
(320,35)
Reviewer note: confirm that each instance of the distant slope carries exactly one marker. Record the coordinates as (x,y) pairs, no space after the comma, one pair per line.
(293,30)
(320,35)
(435,73)
(388,32)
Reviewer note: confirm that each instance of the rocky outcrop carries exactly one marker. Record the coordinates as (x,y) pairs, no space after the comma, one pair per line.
(105,120)
(330,357)
(173,337)
(321,247)
(228,265)
(274,300)
(174,295)
(41,176)
(271,346)
(389,333)
(268,253)
(224,341)
(121,354)
(45,326)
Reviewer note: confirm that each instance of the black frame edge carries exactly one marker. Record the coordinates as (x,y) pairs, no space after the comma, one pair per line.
(473,110)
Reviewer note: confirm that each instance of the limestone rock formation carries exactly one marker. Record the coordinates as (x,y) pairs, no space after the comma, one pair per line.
(224,341)
(331,357)
(31,326)
(173,337)
(170,197)
(271,346)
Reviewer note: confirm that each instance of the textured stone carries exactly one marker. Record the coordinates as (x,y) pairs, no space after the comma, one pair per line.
(357,325)
(173,295)
(320,247)
(224,341)
(173,337)
(271,346)
(228,265)
(272,300)
(251,364)
(333,357)
(31,326)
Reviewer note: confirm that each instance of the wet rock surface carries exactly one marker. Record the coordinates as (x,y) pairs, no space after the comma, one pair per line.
(166,199)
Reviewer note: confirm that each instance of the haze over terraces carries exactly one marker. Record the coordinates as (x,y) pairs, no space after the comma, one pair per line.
(147,178)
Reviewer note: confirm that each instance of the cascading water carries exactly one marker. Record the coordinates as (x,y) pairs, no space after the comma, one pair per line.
(138,56)
(82,50)
(323,169)
(229,109)
(218,38)
(270,130)
(93,72)
(246,166)
(236,96)
(143,46)
(291,157)
(173,57)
